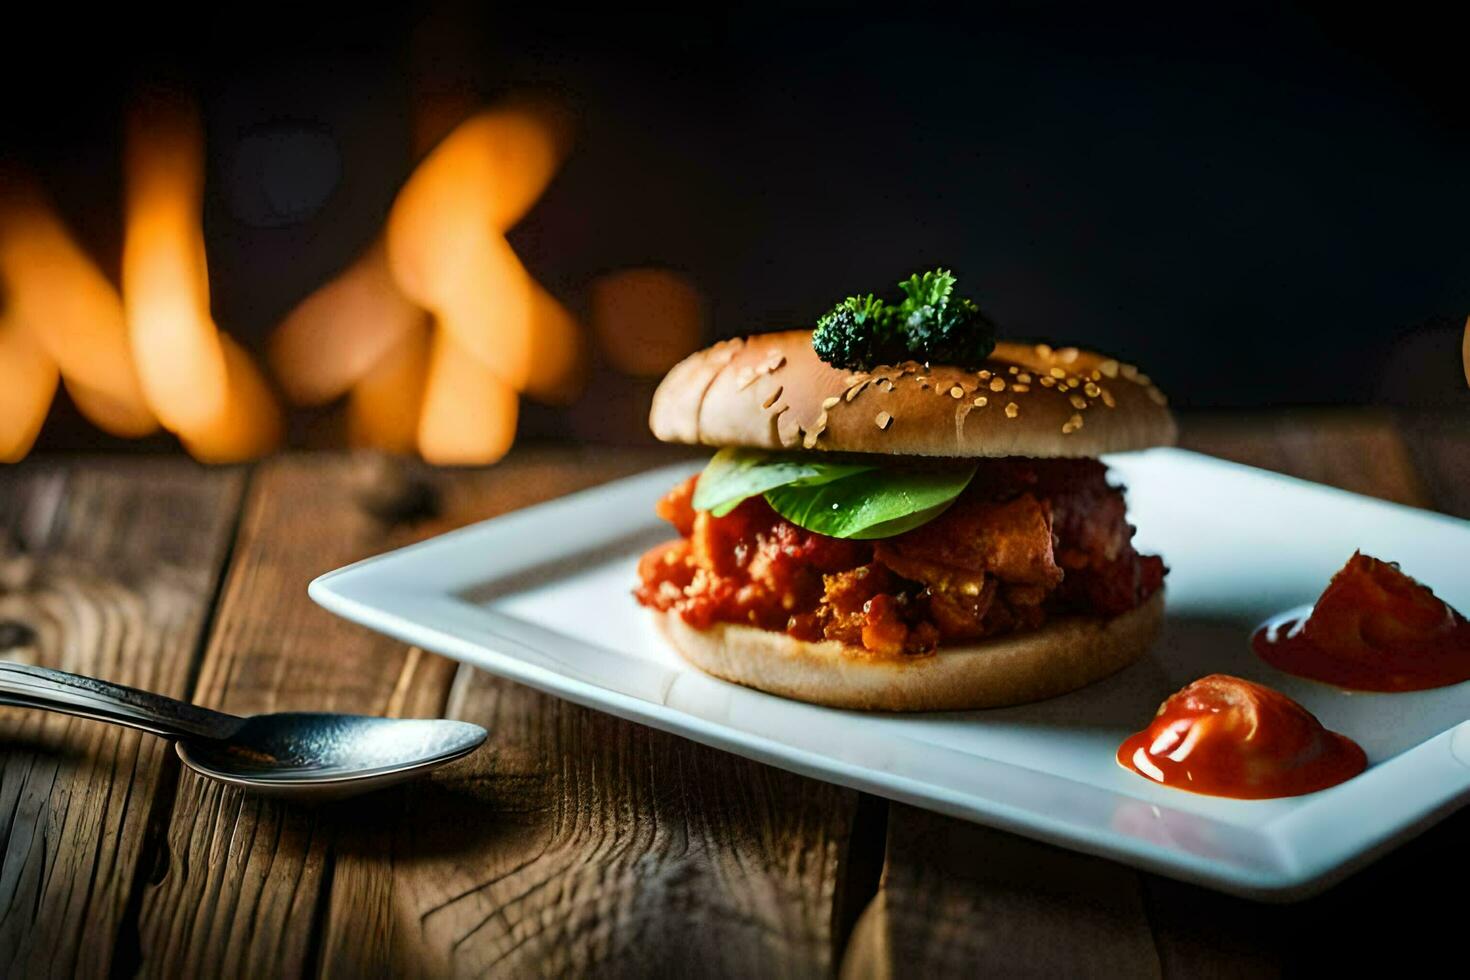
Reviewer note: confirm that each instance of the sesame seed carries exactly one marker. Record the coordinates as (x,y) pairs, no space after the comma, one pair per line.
(1092,389)
(957,391)
(1024,377)
(1057,373)
(1043,350)
(883,420)
(1012,410)
(1143,379)
(984,375)
(1048,381)
(1068,354)
(1076,421)
(1107,397)
(829,402)
(811,437)
(1128,371)
(1068,428)
(1012,369)
(1157,396)
(997,385)
(1095,375)
(1109,368)
(1078,401)
(1020,387)
(980,401)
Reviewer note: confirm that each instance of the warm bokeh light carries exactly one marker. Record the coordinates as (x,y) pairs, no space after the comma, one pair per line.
(202,386)
(340,333)
(164,277)
(646,320)
(251,423)
(493,165)
(27,385)
(469,413)
(53,291)
(384,405)
(447,250)
(1465,350)
(558,356)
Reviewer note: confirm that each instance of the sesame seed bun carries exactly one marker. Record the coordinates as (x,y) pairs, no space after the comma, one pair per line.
(771,391)
(1061,656)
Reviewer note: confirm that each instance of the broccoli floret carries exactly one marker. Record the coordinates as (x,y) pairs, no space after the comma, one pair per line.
(857,334)
(956,333)
(929,324)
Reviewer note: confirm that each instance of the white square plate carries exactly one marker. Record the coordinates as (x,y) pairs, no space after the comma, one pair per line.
(542,596)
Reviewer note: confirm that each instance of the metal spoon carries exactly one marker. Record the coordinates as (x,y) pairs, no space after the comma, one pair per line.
(293,754)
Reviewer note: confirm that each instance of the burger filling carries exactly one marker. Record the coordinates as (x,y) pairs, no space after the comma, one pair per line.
(1026,540)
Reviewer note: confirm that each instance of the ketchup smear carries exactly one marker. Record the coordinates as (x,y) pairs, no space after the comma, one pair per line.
(1224,736)
(1373,629)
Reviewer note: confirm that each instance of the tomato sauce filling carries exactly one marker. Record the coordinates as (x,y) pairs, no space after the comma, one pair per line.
(1373,629)
(1224,736)
(1027,540)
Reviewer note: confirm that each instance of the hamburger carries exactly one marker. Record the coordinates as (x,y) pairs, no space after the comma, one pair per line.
(903,513)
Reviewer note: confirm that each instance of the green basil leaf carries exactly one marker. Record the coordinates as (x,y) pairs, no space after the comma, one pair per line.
(897,526)
(873,504)
(734,475)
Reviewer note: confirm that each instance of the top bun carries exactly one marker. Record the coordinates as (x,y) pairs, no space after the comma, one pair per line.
(771,391)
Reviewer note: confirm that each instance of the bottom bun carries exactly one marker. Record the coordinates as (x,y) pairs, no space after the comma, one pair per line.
(1061,656)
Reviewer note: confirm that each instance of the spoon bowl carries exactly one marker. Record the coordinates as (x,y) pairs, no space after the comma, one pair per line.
(301,754)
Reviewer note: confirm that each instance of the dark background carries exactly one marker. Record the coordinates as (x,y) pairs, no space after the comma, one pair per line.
(1260,204)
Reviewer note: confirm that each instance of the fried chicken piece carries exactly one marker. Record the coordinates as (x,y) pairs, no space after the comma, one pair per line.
(1010,540)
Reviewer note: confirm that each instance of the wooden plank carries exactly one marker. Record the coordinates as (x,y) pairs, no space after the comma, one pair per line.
(582,844)
(1354,450)
(107,567)
(245,875)
(1439,444)
(957,898)
(573,840)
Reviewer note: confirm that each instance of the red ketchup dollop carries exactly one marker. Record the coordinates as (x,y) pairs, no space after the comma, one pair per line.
(1373,629)
(1224,736)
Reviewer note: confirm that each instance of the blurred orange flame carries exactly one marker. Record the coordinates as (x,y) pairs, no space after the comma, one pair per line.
(469,413)
(27,384)
(437,328)
(54,293)
(339,333)
(200,384)
(384,406)
(447,250)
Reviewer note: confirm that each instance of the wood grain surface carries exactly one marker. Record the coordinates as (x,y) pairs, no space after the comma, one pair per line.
(574,843)
(107,569)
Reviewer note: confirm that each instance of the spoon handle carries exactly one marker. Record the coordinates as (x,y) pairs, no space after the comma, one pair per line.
(25,686)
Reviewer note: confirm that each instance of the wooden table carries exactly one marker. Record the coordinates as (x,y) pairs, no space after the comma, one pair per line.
(574,842)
